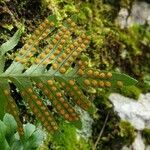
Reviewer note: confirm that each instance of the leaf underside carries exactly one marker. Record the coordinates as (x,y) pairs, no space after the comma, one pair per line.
(63,83)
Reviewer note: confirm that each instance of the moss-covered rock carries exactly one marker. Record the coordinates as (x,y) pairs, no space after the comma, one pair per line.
(127,132)
(146,135)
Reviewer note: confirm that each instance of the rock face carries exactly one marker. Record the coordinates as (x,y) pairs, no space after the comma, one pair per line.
(140,14)
(138,143)
(136,112)
(87,121)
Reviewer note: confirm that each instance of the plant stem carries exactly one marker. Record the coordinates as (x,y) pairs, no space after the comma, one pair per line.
(101,132)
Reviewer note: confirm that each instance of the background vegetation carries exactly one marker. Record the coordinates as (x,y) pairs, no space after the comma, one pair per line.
(111,48)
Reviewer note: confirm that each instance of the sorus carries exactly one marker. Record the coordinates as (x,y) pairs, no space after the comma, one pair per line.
(62,70)
(50,82)
(120,83)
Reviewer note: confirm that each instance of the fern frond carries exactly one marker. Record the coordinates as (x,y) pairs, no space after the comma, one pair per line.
(75,92)
(58,99)
(103,79)
(62,83)
(36,104)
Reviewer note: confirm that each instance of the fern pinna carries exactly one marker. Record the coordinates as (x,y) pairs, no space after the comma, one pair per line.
(50,70)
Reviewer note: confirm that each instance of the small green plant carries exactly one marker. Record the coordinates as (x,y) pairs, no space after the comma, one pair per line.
(54,69)
(9,138)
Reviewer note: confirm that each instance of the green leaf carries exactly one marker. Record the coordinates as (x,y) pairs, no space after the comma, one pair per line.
(28,131)
(31,139)
(36,139)
(17,146)
(11,43)
(127,80)
(3,130)
(4,145)
(11,124)
(116,80)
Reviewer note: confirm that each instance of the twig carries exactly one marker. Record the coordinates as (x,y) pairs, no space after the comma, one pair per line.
(101,132)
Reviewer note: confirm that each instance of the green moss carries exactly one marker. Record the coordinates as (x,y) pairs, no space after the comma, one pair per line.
(131,91)
(127,132)
(68,139)
(146,135)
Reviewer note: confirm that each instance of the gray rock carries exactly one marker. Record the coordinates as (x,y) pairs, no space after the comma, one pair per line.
(87,121)
(140,14)
(122,18)
(136,112)
(138,143)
